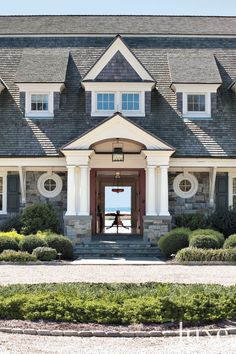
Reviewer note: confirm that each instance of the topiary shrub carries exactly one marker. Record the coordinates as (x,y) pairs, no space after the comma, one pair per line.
(12,223)
(230,242)
(174,241)
(14,256)
(8,243)
(204,241)
(191,254)
(39,217)
(192,221)
(29,243)
(12,234)
(209,232)
(60,243)
(45,253)
(224,221)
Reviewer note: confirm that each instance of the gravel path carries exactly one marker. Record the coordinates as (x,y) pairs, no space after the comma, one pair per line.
(21,344)
(15,274)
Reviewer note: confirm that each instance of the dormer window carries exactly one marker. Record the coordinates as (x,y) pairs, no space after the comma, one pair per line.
(130,102)
(196,105)
(105,101)
(39,103)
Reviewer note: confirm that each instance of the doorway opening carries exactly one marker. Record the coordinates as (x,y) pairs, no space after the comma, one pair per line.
(118,210)
(117,201)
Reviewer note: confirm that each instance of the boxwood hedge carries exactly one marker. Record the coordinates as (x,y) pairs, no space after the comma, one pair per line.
(118,303)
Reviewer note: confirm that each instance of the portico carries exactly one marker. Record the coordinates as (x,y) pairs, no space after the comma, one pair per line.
(94,151)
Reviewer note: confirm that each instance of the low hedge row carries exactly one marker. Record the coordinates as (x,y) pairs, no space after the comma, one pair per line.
(14,241)
(191,254)
(17,256)
(118,303)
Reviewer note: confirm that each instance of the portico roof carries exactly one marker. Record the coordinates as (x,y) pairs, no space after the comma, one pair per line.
(116,127)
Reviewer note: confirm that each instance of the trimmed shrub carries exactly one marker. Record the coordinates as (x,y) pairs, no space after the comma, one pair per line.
(209,232)
(39,217)
(224,221)
(174,241)
(191,254)
(192,221)
(29,243)
(12,234)
(204,241)
(118,303)
(12,223)
(16,256)
(61,244)
(230,242)
(45,253)
(8,243)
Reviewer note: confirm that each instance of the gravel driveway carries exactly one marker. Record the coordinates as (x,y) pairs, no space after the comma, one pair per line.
(21,344)
(15,274)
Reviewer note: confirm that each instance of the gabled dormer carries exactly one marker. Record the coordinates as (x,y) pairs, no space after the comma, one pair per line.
(118,82)
(195,79)
(40,77)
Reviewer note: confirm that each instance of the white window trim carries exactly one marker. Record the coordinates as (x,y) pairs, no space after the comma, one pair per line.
(197,114)
(118,104)
(44,192)
(35,114)
(192,179)
(231,176)
(4,195)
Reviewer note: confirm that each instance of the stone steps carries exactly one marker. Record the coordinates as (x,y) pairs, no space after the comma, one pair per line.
(117,249)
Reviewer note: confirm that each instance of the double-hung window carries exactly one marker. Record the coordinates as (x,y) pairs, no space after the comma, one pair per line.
(39,103)
(196,105)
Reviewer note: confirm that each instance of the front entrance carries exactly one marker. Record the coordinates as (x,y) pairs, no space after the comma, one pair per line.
(117,201)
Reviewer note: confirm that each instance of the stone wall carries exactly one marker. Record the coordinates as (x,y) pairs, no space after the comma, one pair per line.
(33,196)
(154,227)
(78,228)
(198,203)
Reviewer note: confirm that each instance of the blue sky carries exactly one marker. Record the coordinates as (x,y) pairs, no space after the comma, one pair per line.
(154,7)
(118,200)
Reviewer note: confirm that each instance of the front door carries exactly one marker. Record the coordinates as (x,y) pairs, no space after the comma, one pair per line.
(117,201)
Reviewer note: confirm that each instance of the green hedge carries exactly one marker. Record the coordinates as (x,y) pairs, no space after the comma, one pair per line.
(16,256)
(174,241)
(230,242)
(191,254)
(29,243)
(45,253)
(192,221)
(8,243)
(118,303)
(204,241)
(209,232)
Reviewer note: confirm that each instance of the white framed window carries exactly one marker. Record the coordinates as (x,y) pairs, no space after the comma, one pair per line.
(105,101)
(3,193)
(185,185)
(39,105)
(128,103)
(197,104)
(49,185)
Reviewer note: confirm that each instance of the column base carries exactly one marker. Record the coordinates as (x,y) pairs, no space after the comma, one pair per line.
(78,228)
(154,227)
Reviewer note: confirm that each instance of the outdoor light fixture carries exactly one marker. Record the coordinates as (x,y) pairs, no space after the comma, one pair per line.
(117,155)
(116,184)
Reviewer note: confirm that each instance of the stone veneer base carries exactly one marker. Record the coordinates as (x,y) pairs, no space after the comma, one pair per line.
(78,228)
(154,227)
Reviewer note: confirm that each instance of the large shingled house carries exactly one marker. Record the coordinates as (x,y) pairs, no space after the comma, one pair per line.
(86,101)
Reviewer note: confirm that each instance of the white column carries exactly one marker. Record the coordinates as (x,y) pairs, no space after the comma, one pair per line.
(158,189)
(71,191)
(164,193)
(84,191)
(151,190)
(22,175)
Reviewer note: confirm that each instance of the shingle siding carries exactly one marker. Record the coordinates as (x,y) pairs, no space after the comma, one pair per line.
(23,137)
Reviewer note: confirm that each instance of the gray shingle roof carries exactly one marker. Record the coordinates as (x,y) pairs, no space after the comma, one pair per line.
(215,138)
(198,67)
(175,25)
(43,65)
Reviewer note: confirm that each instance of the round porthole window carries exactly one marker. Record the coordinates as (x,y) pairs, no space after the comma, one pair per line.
(185,185)
(49,185)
